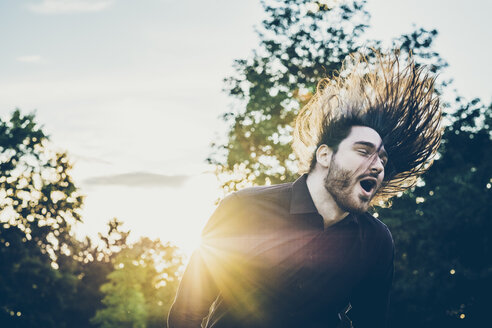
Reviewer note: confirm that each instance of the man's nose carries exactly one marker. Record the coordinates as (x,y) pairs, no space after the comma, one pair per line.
(376,165)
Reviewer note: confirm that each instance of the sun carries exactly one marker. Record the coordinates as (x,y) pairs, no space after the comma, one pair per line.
(189,243)
(187,210)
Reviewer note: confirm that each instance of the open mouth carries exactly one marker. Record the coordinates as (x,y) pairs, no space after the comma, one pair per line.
(368,184)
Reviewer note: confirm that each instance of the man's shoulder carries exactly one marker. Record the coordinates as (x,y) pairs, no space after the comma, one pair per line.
(244,209)
(272,192)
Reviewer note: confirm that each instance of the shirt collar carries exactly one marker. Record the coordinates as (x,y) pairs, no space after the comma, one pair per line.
(301,201)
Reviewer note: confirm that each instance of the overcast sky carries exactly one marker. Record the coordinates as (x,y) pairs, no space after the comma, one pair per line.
(132,89)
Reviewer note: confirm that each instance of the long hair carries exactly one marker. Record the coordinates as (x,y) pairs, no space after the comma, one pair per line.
(397,102)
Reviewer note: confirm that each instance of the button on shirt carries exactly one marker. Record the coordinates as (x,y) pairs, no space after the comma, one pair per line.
(267,261)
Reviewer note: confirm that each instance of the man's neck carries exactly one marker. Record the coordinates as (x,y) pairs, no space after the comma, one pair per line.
(324,202)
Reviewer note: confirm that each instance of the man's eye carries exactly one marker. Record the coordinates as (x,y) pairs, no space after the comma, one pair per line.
(363,151)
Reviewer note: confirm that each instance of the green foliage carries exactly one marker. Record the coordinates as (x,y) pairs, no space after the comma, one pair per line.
(32,292)
(47,277)
(441,227)
(37,193)
(91,264)
(301,42)
(141,287)
(114,240)
(38,204)
(299,45)
(442,230)
(124,302)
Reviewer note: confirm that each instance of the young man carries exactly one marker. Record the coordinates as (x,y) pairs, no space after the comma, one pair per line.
(301,254)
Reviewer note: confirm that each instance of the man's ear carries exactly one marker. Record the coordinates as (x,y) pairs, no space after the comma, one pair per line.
(323,156)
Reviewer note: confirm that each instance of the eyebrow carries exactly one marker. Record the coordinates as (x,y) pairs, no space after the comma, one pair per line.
(372,146)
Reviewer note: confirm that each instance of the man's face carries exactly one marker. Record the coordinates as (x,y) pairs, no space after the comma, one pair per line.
(356,170)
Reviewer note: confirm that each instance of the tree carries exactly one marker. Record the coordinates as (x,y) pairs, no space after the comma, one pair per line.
(141,287)
(91,263)
(441,227)
(38,204)
(442,230)
(47,277)
(301,42)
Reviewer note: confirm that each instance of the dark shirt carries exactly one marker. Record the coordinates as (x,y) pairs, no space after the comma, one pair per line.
(267,261)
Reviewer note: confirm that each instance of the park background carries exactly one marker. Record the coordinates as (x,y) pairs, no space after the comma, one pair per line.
(141,121)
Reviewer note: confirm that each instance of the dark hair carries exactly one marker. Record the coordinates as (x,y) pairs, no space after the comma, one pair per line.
(335,134)
(398,103)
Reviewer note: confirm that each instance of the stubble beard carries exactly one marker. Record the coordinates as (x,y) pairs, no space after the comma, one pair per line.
(340,183)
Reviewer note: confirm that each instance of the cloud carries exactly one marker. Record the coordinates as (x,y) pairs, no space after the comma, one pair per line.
(69,6)
(138,179)
(29,59)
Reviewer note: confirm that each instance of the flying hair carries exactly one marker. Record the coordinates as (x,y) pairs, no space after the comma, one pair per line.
(397,101)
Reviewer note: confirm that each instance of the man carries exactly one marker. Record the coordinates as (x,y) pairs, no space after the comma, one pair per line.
(301,254)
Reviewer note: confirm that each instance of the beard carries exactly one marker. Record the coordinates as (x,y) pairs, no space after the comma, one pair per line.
(340,183)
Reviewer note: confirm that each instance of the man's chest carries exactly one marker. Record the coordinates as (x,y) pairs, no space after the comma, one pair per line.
(296,265)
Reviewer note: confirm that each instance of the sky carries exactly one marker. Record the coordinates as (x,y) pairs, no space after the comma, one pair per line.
(133,91)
